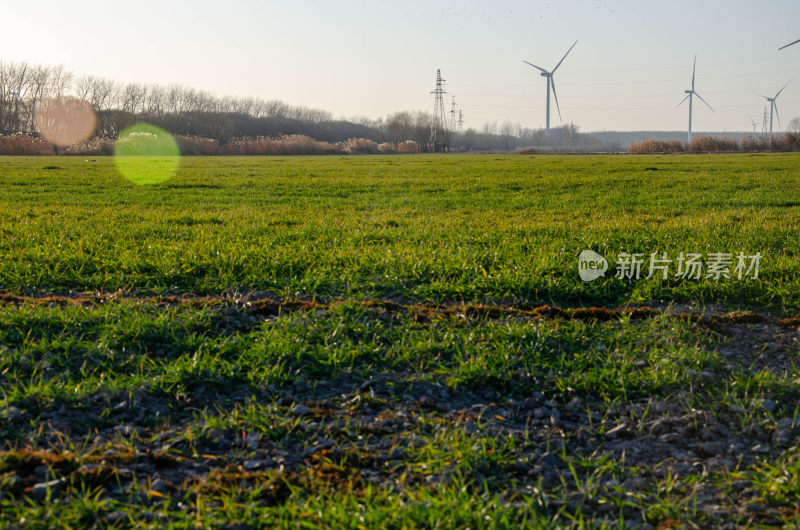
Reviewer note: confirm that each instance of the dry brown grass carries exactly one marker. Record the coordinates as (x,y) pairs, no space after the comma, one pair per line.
(656,146)
(293,144)
(360,146)
(22,144)
(197,145)
(793,140)
(780,142)
(789,141)
(94,146)
(296,144)
(755,143)
(408,147)
(711,144)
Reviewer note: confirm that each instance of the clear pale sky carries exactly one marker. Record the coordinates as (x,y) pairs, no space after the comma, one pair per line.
(369,58)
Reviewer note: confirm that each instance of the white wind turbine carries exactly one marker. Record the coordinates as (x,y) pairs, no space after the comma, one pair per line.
(754,124)
(549,76)
(689,95)
(773,107)
(795,42)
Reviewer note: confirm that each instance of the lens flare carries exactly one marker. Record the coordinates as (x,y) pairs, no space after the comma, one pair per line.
(65,120)
(146,154)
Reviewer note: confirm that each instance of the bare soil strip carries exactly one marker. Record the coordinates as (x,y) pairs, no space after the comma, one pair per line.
(261,304)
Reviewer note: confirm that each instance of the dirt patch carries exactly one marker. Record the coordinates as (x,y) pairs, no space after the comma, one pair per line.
(264,305)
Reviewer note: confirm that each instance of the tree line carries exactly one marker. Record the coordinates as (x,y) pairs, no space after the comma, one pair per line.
(179,109)
(189,112)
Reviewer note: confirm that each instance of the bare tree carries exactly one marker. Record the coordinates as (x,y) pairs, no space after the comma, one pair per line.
(400,127)
(508,135)
(155,100)
(133,98)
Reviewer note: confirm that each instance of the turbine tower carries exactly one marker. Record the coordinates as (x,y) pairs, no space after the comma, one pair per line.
(550,83)
(773,107)
(795,42)
(689,95)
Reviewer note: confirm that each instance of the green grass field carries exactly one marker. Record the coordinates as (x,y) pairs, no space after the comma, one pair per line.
(398,341)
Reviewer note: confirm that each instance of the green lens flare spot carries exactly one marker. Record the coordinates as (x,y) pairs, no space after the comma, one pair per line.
(146,154)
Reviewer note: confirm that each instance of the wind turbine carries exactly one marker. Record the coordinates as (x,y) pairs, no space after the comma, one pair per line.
(795,42)
(549,76)
(754,124)
(773,107)
(689,95)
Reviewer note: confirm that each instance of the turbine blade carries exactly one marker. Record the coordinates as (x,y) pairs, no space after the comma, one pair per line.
(781,90)
(553,84)
(761,96)
(565,56)
(537,67)
(684,99)
(795,42)
(694,67)
(776,114)
(704,101)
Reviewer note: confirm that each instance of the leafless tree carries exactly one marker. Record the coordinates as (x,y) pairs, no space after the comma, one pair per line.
(155,100)
(508,135)
(400,127)
(794,126)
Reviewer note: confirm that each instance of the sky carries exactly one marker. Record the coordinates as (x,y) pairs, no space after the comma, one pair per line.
(354,58)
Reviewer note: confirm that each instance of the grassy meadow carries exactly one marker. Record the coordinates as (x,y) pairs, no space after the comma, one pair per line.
(399,341)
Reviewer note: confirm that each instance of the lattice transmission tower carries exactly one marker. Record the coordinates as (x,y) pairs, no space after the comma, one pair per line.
(453,114)
(440,138)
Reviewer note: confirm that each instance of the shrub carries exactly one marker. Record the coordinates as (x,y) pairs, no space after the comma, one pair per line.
(408,147)
(197,145)
(755,143)
(793,134)
(699,144)
(780,143)
(23,144)
(793,140)
(145,140)
(360,146)
(293,144)
(727,144)
(93,146)
(711,144)
(655,146)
